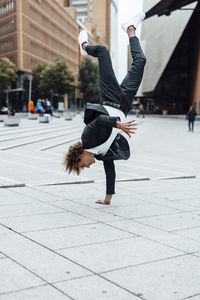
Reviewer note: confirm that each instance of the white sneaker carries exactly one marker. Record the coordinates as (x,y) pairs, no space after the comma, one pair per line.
(82,38)
(135,21)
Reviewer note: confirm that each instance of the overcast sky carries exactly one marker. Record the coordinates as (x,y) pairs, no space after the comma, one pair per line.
(126,10)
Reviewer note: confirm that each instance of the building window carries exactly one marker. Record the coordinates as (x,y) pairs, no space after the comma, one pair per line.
(6,8)
(7,26)
(81,9)
(82,18)
(79,2)
(7,45)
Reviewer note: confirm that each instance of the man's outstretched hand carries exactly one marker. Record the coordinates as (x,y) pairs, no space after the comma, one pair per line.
(127,127)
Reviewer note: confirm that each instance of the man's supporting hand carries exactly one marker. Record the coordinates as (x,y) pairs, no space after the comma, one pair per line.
(106,201)
(127,127)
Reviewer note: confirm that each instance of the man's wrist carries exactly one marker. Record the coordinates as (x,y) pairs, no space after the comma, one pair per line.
(108,197)
(118,124)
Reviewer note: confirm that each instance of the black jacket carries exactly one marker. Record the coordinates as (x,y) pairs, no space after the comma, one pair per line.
(97,130)
(191,115)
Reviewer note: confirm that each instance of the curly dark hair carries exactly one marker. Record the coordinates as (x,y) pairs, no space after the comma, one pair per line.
(72,158)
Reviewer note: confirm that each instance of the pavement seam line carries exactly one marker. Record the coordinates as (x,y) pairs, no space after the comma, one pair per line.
(152,240)
(27,136)
(18,291)
(190,297)
(76,263)
(33,142)
(35,274)
(142,264)
(131,233)
(135,235)
(59,144)
(97,243)
(103,211)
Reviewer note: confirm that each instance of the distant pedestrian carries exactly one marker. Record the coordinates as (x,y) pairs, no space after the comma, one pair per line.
(191,118)
(141,110)
(39,107)
(48,106)
(44,107)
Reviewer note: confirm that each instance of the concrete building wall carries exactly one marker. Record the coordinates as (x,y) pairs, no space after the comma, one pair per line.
(195,80)
(161,36)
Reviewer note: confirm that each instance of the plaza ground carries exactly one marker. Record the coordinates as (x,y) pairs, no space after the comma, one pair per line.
(57,243)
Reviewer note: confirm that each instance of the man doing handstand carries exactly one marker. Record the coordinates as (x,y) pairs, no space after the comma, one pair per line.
(101,138)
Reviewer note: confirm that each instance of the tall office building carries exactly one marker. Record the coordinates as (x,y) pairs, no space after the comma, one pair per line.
(94,15)
(83,9)
(172,48)
(100,18)
(37,31)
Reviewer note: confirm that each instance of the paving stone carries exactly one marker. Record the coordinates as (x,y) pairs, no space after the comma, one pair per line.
(172,222)
(76,236)
(191,233)
(147,187)
(85,289)
(4,230)
(73,192)
(14,277)
(137,211)
(180,205)
(2,255)
(197,254)
(33,194)
(194,202)
(175,278)
(166,238)
(121,201)
(179,195)
(37,293)
(27,209)
(44,221)
(45,263)
(8,197)
(86,211)
(119,254)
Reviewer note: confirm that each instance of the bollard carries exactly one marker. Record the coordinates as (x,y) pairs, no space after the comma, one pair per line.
(3,117)
(32,117)
(43,119)
(11,121)
(68,116)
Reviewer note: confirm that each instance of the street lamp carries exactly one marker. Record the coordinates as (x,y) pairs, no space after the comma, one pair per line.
(30,78)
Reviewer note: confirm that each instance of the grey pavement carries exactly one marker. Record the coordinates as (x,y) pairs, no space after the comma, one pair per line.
(57,243)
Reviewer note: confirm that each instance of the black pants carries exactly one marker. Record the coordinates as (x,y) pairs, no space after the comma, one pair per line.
(191,125)
(113,94)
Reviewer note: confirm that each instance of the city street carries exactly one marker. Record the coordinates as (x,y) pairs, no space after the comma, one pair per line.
(57,243)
